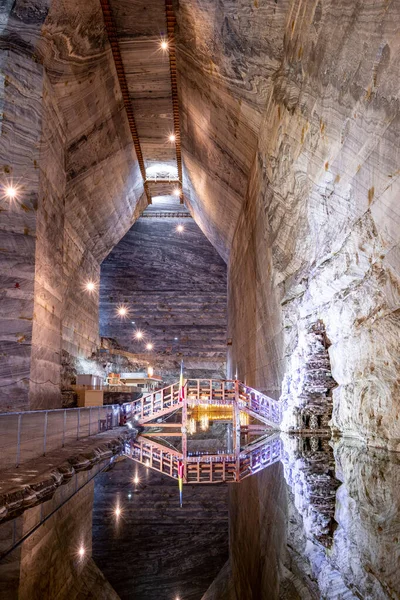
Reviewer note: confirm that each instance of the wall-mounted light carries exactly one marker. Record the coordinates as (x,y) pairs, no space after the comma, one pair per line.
(122,310)
(172,137)
(164,45)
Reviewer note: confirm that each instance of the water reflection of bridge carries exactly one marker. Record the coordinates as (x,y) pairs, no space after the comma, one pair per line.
(254,419)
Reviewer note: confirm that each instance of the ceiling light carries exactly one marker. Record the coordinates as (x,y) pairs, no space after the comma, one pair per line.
(177,192)
(180,228)
(164,45)
(117,512)
(122,311)
(149,346)
(172,137)
(81,551)
(136,480)
(139,335)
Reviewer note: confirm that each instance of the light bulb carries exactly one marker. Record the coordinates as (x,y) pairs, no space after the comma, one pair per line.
(164,45)
(177,192)
(11,192)
(122,311)
(90,286)
(180,228)
(139,335)
(149,346)
(81,551)
(172,137)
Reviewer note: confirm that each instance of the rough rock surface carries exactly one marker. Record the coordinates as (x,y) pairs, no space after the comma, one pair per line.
(174,286)
(290,145)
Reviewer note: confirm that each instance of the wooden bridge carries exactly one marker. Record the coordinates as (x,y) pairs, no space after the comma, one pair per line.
(151,410)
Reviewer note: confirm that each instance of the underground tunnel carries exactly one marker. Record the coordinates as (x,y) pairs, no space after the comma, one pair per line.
(199,300)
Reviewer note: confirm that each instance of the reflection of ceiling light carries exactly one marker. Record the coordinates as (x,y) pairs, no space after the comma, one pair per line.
(164,45)
(172,137)
(180,228)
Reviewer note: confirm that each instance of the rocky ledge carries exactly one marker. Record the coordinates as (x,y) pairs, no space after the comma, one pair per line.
(37,482)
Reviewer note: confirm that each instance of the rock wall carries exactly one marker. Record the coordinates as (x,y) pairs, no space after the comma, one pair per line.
(64,138)
(316,233)
(174,286)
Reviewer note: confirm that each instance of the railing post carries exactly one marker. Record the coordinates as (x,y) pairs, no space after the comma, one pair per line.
(78,425)
(18,440)
(64,427)
(46,414)
(90,419)
(98,420)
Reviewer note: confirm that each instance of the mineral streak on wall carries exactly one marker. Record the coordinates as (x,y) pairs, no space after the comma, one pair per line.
(66,141)
(174,287)
(291,160)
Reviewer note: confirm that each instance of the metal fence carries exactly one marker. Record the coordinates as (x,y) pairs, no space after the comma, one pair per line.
(30,434)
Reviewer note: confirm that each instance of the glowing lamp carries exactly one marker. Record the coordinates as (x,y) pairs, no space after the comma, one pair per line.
(172,137)
(81,551)
(149,346)
(180,228)
(122,311)
(164,45)
(90,286)
(11,192)
(139,335)
(150,371)
(177,192)
(136,480)
(117,512)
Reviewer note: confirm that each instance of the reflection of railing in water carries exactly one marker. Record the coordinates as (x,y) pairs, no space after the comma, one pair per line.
(217,468)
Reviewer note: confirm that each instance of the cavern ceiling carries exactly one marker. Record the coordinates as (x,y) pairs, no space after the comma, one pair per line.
(115,92)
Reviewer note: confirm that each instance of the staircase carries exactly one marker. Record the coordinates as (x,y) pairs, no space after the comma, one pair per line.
(211,392)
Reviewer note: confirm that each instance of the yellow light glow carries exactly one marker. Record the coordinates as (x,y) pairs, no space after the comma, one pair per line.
(136,480)
(180,228)
(164,45)
(150,371)
(81,551)
(139,334)
(149,346)
(11,192)
(90,286)
(172,137)
(177,192)
(122,310)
